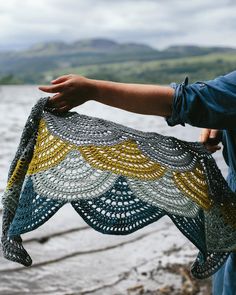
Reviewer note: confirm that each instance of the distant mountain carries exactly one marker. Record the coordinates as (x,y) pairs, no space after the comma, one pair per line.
(83,46)
(30,66)
(197,50)
(52,55)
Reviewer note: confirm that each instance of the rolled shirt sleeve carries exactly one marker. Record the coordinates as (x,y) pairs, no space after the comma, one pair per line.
(207,104)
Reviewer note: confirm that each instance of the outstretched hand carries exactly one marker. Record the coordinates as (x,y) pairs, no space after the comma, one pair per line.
(71,91)
(211,139)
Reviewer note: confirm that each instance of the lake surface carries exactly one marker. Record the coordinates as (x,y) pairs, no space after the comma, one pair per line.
(70,257)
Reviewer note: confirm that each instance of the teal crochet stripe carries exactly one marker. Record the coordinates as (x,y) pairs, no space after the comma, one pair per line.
(109,213)
(32,210)
(118,211)
(104,214)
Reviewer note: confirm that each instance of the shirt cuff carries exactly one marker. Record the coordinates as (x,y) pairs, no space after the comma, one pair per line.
(175,117)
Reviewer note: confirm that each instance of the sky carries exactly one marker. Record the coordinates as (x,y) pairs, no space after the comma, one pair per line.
(159,23)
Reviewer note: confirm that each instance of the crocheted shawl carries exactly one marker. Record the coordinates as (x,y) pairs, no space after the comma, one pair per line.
(119,180)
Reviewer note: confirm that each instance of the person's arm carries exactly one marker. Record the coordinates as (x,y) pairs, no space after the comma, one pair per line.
(209,104)
(73,90)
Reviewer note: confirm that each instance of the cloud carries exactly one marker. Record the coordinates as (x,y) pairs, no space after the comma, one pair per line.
(158,23)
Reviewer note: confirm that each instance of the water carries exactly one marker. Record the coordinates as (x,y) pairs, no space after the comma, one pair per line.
(16,103)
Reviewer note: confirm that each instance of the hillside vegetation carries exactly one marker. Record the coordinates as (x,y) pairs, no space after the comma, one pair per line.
(106,59)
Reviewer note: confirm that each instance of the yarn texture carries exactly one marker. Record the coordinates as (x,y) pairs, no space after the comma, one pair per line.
(119,180)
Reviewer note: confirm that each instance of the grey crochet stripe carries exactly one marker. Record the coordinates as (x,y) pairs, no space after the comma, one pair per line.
(24,152)
(12,247)
(82,130)
(217,185)
(75,177)
(71,178)
(29,133)
(164,194)
(219,234)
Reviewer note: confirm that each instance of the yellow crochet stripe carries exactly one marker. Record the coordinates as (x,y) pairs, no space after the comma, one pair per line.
(124,158)
(49,150)
(17,174)
(194,185)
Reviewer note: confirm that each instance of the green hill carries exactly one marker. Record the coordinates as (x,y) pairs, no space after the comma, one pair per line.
(107,59)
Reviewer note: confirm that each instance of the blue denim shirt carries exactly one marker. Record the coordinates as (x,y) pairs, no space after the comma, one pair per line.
(210,104)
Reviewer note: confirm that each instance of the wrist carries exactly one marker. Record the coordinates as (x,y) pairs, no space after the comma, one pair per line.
(100,90)
(90,89)
(94,89)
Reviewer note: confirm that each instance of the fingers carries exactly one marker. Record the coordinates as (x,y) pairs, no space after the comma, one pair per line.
(204,135)
(64,109)
(57,101)
(214,137)
(214,133)
(52,88)
(212,148)
(61,79)
(210,138)
(209,135)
